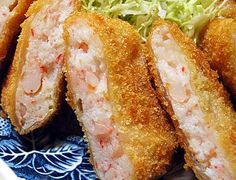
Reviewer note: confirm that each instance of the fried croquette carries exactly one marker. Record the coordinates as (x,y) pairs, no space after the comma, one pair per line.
(108,87)
(11,16)
(31,94)
(219,43)
(197,103)
(229,9)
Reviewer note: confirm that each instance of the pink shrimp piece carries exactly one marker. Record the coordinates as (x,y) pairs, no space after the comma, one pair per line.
(91,79)
(102,129)
(32,32)
(32,79)
(179,93)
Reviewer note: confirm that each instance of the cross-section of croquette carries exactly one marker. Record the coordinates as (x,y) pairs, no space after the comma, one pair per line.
(12,14)
(108,87)
(196,101)
(31,94)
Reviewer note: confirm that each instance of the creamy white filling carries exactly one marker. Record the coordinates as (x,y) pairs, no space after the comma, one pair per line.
(175,75)
(36,89)
(87,72)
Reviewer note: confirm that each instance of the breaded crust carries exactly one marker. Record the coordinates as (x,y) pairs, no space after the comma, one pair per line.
(219,42)
(229,9)
(213,99)
(12,27)
(144,131)
(10,85)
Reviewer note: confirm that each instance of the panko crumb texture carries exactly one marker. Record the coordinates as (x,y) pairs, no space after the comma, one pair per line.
(12,27)
(229,9)
(213,99)
(145,133)
(219,43)
(10,84)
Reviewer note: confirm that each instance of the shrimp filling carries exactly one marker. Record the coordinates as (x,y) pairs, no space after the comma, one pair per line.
(6,8)
(87,74)
(175,75)
(43,61)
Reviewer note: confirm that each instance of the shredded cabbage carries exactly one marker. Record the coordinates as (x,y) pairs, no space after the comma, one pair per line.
(190,15)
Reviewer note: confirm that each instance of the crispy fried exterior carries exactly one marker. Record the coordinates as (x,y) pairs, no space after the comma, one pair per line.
(219,42)
(13,77)
(229,9)
(214,101)
(144,131)
(12,27)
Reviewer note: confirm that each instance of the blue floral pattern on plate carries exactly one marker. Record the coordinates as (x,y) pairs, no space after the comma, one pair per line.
(58,152)
(60,158)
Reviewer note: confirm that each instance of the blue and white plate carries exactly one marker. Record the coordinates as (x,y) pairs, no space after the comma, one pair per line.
(50,153)
(56,152)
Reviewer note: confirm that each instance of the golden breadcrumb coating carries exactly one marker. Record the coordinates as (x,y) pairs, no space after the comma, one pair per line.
(12,27)
(145,134)
(214,101)
(10,85)
(219,42)
(229,9)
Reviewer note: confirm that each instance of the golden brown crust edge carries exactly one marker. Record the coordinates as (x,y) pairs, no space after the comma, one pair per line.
(12,27)
(129,86)
(162,96)
(69,94)
(151,149)
(218,42)
(229,9)
(213,99)
(10,85)
(206,81)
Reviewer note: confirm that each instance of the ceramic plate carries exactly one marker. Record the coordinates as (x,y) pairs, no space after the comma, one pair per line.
(50,153)
(58,151)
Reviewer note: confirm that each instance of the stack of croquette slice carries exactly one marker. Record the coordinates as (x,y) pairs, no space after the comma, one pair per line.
(124,116)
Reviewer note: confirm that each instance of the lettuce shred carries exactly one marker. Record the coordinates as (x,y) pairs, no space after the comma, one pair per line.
(190,15)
